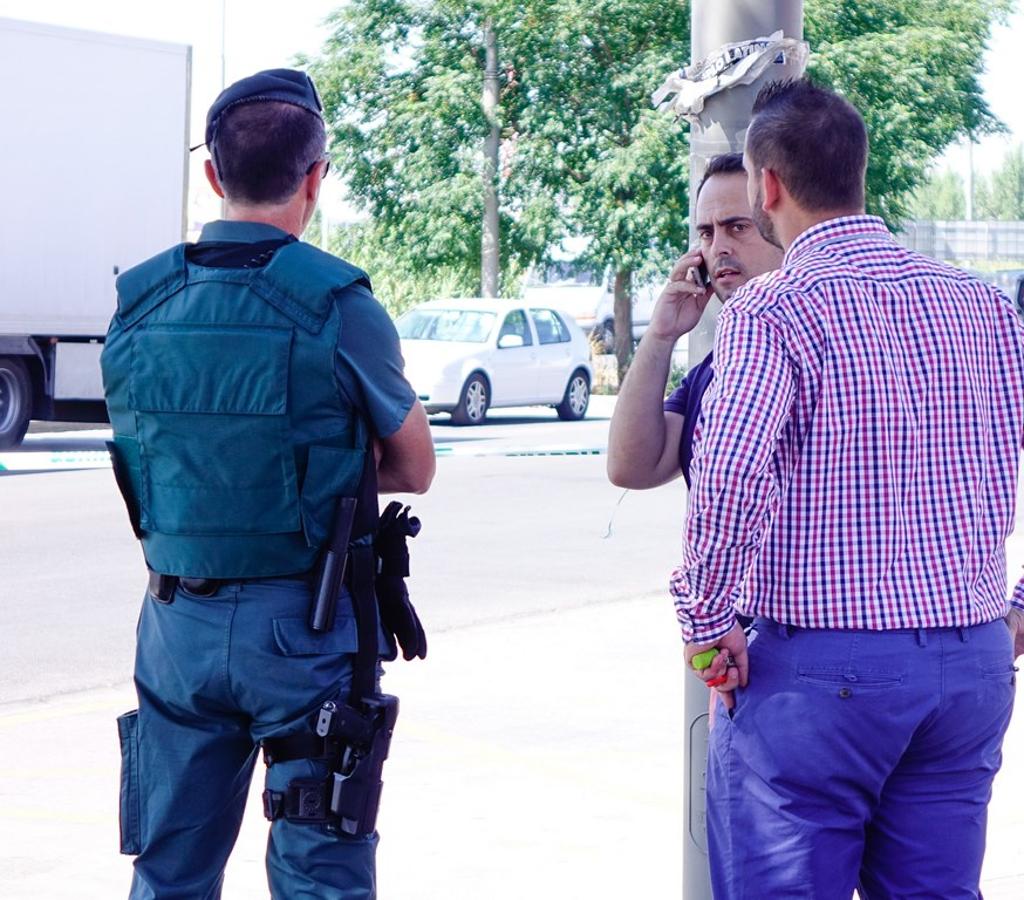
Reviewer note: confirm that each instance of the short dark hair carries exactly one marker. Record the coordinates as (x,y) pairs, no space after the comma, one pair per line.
(263,150)
(814,140)
(723,164)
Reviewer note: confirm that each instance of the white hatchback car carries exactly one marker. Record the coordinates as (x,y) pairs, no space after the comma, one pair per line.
(467,356)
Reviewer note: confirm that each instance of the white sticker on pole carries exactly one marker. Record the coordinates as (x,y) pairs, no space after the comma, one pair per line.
(685,91)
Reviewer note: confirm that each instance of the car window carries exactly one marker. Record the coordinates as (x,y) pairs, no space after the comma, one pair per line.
(470,325)
(550,327)
(515,323)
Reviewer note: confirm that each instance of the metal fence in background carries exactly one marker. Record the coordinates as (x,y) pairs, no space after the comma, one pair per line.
(1003,241)
(995,248)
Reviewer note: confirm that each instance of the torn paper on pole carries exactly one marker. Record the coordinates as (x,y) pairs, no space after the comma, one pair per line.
(685,91)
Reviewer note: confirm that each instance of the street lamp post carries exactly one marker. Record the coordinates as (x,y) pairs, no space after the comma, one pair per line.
(720,128)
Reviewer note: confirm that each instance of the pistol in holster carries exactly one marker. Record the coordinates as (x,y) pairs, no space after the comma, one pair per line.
(354,742)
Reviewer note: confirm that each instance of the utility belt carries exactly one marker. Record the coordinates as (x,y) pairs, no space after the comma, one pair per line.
(162,587)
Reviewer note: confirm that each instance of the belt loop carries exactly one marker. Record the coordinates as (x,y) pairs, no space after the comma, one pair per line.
(785,631)
(965,633)
(922,637)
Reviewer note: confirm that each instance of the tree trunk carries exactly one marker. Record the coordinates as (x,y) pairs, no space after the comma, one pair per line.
(489,248)
(623,309)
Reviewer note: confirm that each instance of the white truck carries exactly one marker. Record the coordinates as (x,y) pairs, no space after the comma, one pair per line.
(93,179)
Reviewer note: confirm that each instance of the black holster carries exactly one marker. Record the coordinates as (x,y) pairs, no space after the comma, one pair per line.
(354,742)
(355,787)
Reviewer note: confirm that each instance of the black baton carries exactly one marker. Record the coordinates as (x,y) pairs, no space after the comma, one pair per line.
(332,568)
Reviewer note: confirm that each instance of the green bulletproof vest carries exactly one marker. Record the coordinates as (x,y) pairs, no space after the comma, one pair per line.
(230,432)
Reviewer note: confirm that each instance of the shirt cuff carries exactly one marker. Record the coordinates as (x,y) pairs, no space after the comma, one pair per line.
(1018,595)
(698,629)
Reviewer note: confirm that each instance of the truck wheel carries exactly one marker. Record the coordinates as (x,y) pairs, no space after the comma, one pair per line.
(577,398)
(15,401)
(472,408)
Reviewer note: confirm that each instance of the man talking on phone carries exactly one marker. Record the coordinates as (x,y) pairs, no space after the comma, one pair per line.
(651,437)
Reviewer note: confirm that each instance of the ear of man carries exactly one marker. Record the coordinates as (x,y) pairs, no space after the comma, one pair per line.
(773,190)
(211,176)
(313,181)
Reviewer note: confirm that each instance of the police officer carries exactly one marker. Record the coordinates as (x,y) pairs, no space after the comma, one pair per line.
(249,380)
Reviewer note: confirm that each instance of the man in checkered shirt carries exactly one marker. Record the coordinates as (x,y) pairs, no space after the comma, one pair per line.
(854,484)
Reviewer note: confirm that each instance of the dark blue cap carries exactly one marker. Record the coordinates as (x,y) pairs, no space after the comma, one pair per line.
(277,85)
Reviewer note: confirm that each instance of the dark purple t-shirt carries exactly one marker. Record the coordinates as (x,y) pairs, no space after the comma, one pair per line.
(685,400)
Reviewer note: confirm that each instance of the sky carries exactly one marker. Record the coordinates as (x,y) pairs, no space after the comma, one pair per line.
(1001,85)
(263,34)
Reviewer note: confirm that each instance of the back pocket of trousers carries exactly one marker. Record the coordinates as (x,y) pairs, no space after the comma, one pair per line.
(128,732)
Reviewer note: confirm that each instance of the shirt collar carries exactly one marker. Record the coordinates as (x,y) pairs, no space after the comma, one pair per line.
(843,228)
(239,232)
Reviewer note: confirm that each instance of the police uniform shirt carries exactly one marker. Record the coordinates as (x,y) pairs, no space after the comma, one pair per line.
(368,362)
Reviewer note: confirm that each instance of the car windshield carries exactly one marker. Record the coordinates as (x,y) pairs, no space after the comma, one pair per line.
(472,325)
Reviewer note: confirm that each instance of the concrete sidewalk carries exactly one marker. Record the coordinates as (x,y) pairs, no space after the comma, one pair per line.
(537,758)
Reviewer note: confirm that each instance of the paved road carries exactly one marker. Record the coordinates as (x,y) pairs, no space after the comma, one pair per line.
(539,750)
(503,536)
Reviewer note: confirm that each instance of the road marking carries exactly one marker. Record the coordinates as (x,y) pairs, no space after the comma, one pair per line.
(34,462)
(40,453)
(562,451)
(486,450)
(52,461)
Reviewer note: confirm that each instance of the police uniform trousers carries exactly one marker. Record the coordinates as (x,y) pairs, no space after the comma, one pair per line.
(859,759)
(215,675)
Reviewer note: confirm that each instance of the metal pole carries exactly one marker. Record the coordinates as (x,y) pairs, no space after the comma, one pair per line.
(489,245)
(223,43)
(721,129)
(969,187)
(223,76)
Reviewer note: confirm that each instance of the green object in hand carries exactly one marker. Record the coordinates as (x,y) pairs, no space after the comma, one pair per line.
(702,660)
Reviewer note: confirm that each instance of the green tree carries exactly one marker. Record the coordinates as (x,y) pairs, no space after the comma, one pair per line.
(1002,195)
(402,89)
(587,136)
(582,152)
(940,197)
(398,281)
(912,68)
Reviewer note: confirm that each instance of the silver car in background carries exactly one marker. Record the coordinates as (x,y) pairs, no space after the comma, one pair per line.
(466,356)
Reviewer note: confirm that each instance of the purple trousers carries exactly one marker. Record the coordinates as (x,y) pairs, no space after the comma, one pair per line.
(859,760)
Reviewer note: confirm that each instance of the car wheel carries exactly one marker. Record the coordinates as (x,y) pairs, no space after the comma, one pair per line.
(476,397)
(15,401)
(577,398)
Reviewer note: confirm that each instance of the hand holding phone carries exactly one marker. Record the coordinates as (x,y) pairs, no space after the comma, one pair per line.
(683,299)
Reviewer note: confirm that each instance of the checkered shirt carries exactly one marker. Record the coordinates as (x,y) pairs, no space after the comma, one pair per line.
(856,461)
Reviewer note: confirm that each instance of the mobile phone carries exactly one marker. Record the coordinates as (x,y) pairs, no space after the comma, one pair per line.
(699,275)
